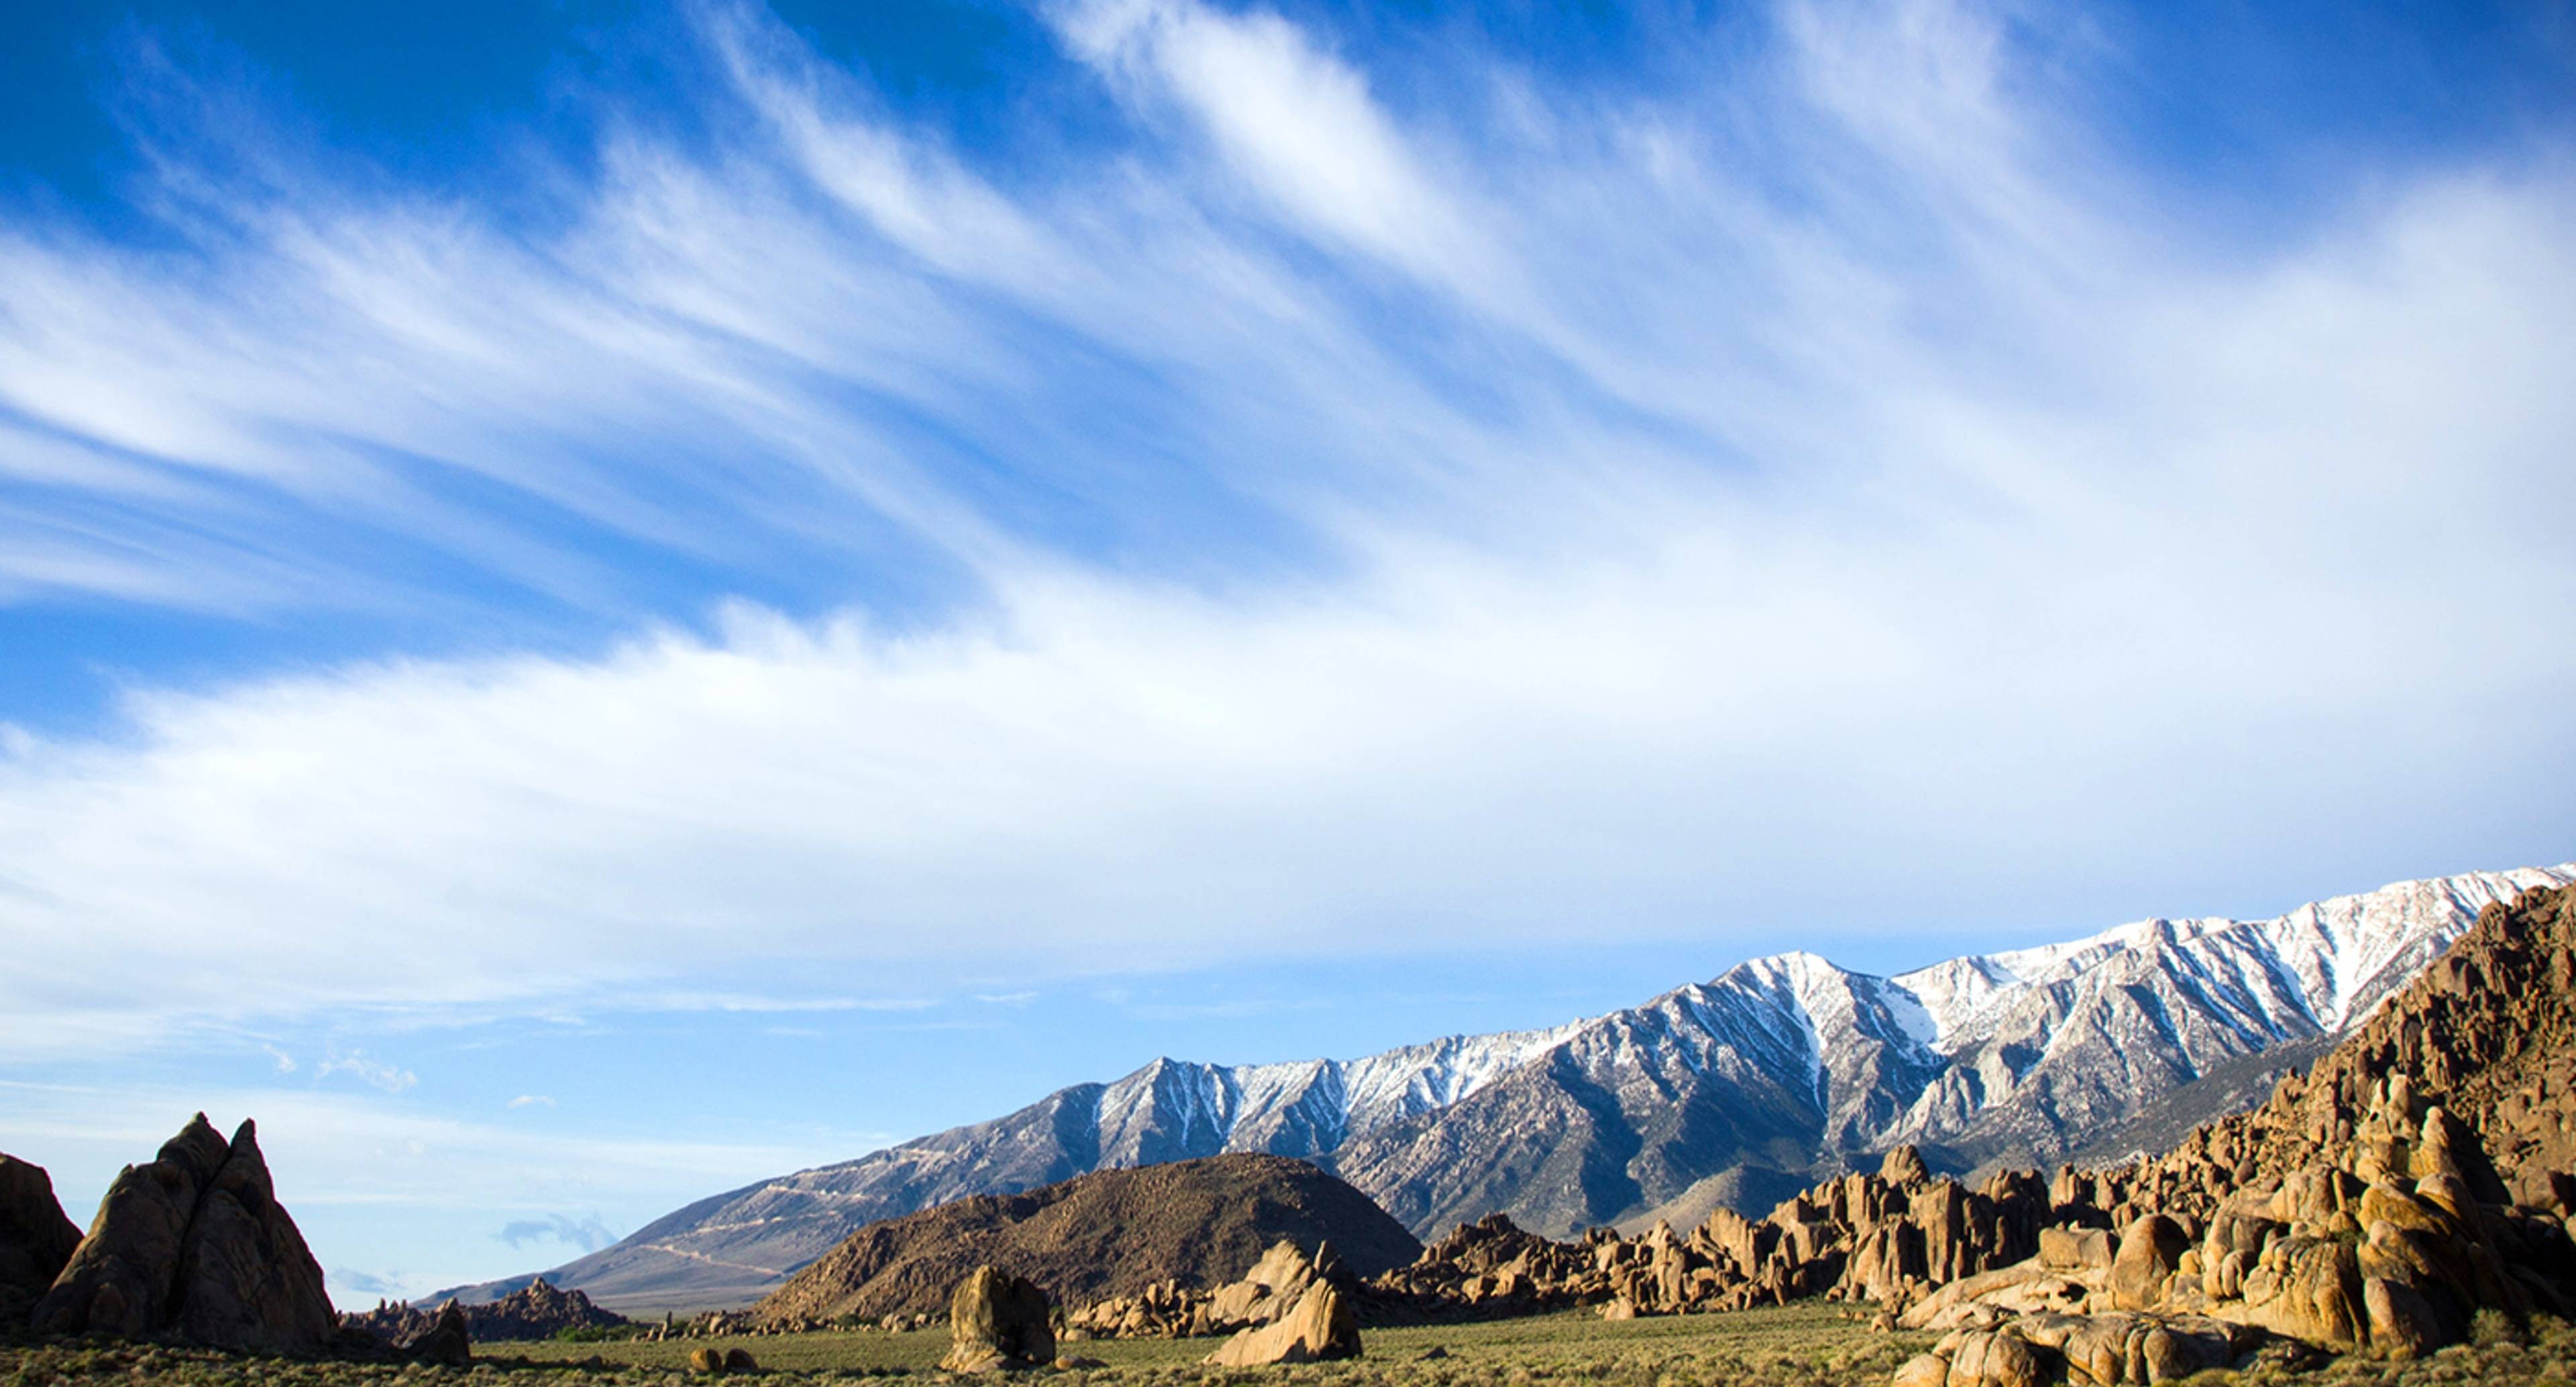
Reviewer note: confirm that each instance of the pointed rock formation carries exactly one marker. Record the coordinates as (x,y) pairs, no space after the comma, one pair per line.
(447,1342)
(123,1279)
(1275,1285)
(195,1243)
(246,1279)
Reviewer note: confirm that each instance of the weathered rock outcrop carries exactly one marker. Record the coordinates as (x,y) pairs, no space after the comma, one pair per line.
(998,1321)
(1289,1308)
(2106,1350)
(2412,1180)
(1266,1294)
(1887,1237)
(36,1239)
(1492,1268)
(446,1342)
(535,1311)
(1319,1325)
(123,1279)
(246,1279)
(195,1243)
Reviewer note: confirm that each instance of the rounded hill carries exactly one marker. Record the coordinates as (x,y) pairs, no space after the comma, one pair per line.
(1111,1232)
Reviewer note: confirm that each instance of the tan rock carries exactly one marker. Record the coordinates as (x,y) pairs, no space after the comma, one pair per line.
(2449,1193)
(2385,1202)
(2097,1347)
(2074,1249)
(2225,1278)
(1273,1285)
(997,1320)
(2167,1356)
(2447,1146)
(2151,1249)
(2403,1324)
(1323,1325)
(1923,1370)
(709,1359)
(2312,1292)
(1904,1166)
(1996,1358)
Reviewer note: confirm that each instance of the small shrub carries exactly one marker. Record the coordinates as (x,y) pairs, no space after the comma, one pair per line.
(2490,1327)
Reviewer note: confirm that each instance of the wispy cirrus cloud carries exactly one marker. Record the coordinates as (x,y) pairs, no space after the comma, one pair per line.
(374,1073)
(1318,523)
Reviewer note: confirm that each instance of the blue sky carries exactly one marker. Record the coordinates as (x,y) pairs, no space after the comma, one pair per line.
(598,602)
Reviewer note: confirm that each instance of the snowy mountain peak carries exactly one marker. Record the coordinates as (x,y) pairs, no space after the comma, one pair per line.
(2342,955)
(1746,1087)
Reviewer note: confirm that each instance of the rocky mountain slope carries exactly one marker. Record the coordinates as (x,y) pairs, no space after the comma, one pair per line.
(1112,1232)
(2409,1190)
(1732,1092)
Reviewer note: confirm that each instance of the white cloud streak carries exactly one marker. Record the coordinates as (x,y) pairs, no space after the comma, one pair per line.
(1659,544)
(374,1073)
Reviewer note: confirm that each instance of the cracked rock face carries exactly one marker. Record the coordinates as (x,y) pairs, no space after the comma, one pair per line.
(194,1243)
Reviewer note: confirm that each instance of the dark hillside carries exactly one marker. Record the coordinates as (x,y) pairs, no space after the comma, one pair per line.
(1112,1232)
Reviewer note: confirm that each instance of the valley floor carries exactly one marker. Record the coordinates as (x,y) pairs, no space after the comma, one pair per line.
(1800,1346)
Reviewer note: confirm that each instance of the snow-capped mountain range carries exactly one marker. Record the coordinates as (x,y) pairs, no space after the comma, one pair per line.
(1733,1091)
